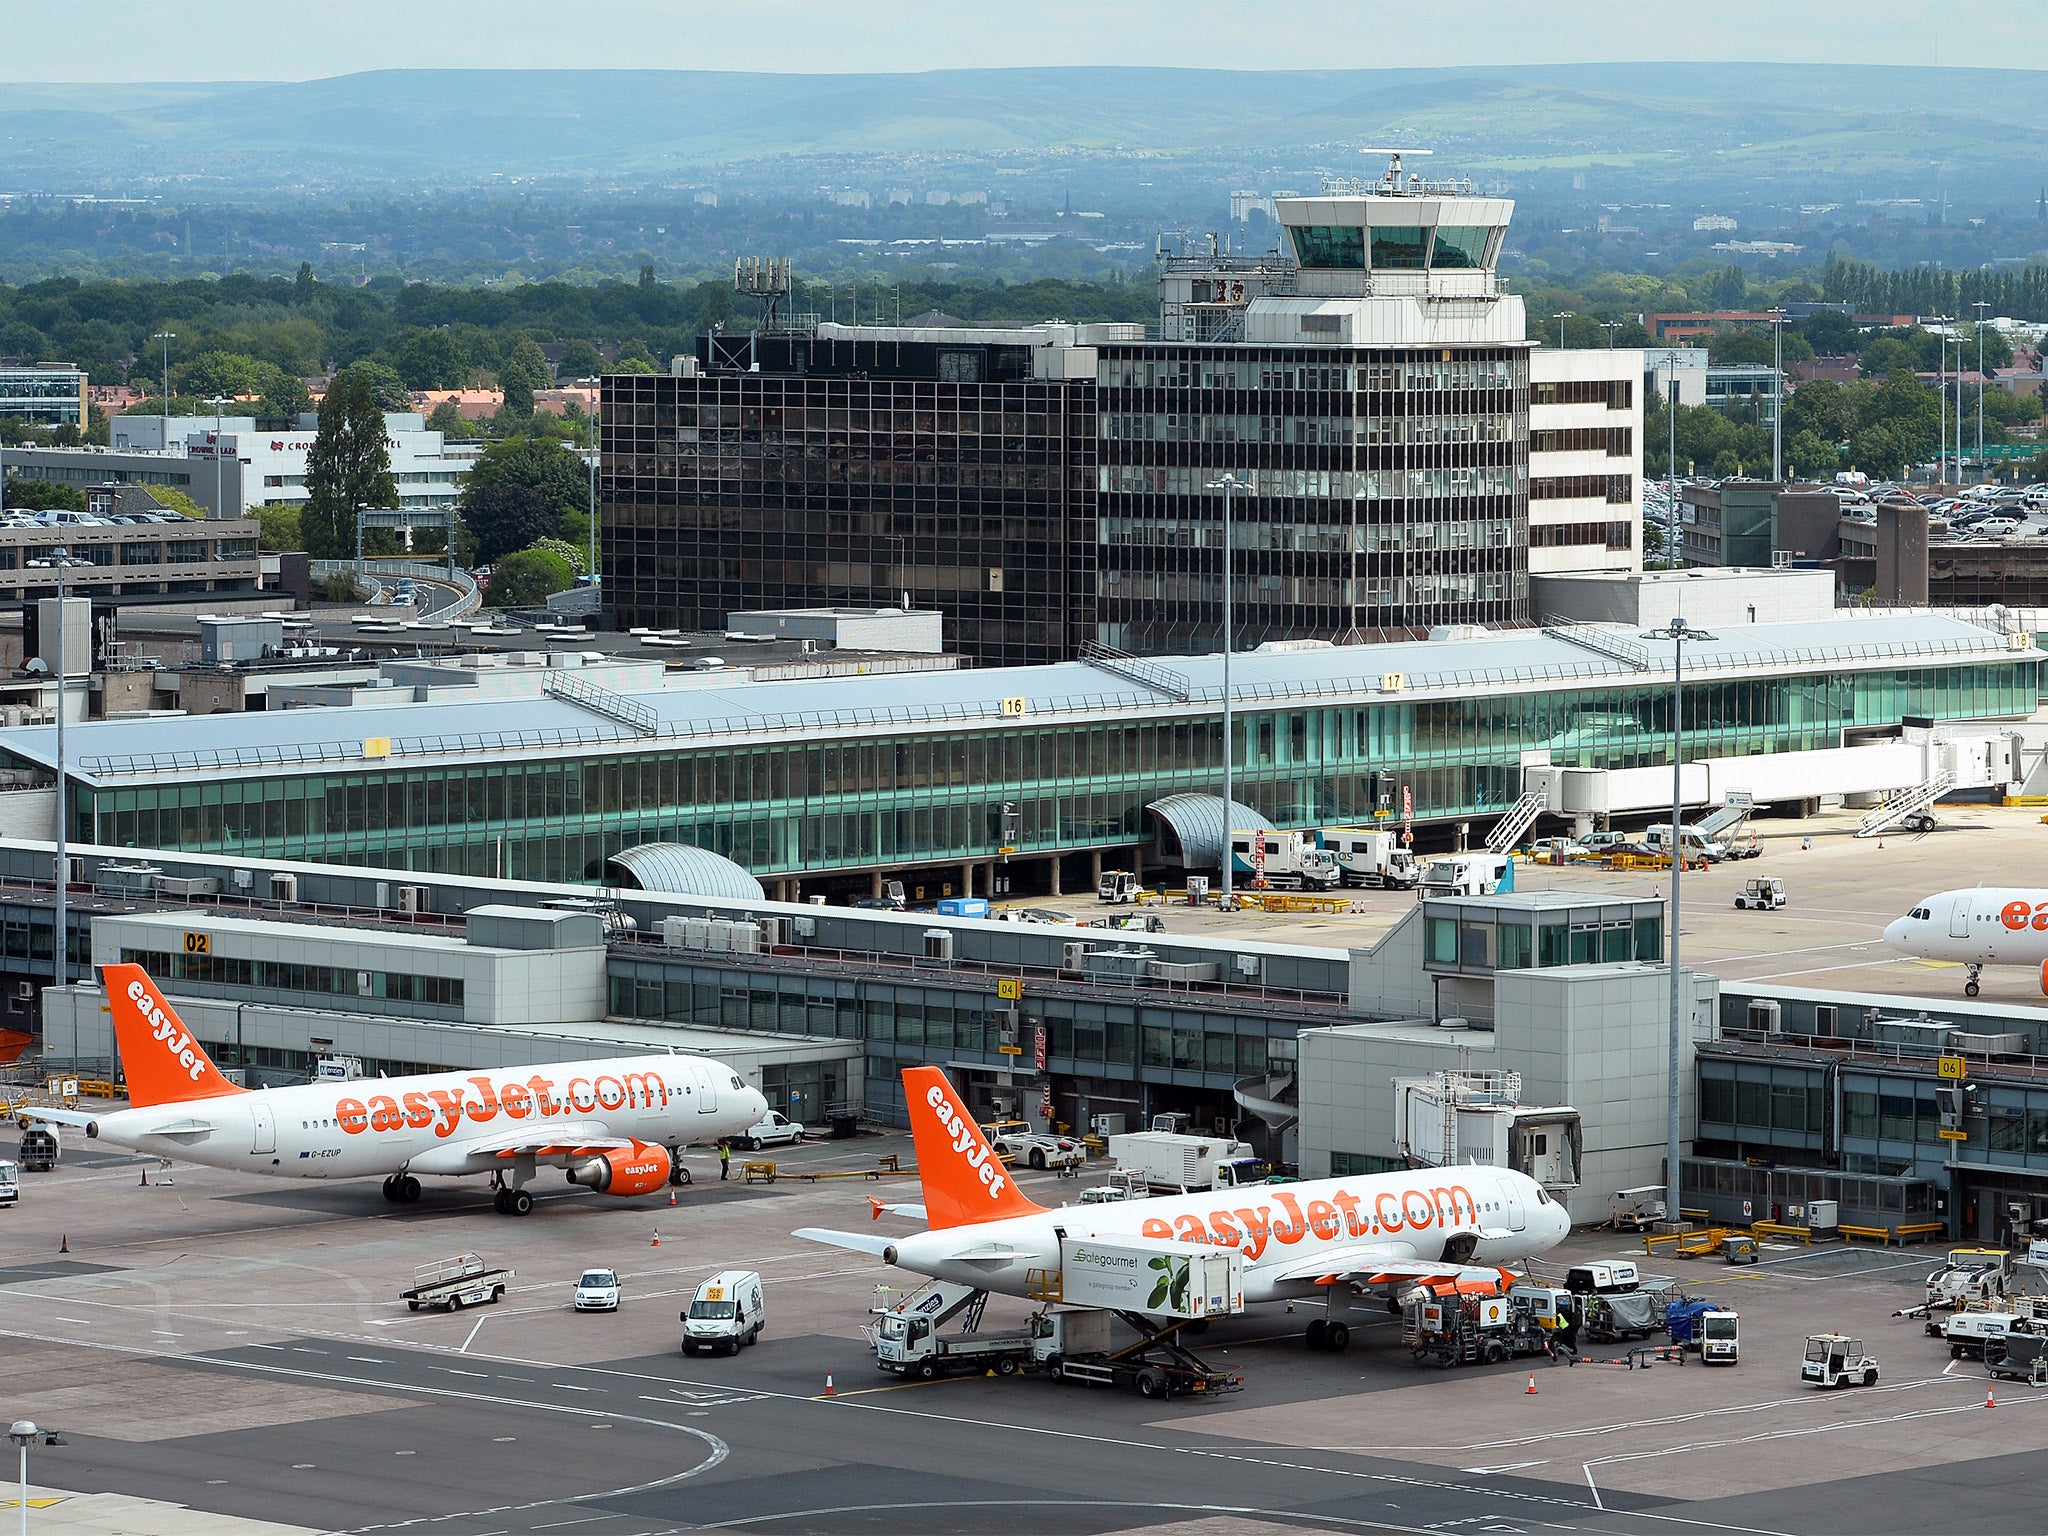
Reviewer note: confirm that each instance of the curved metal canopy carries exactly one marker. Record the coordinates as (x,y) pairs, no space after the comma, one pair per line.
(1191,828)
(679,869)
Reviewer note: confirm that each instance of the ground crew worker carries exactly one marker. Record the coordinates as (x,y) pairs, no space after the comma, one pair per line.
(724,1160)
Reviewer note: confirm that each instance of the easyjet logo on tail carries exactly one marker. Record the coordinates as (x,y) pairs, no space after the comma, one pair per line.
(964,1181)
(161,1059)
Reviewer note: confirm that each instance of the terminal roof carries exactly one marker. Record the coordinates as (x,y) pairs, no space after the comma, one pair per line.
(707,708)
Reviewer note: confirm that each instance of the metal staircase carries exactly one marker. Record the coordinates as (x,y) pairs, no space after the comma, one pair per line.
(1133,669)
(1904,804)
(941,1301)
(1520,818)
(602,701)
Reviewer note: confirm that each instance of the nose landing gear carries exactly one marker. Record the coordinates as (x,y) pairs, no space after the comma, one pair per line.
(1972,972)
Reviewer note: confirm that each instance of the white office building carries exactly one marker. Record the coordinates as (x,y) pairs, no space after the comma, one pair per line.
(270,466)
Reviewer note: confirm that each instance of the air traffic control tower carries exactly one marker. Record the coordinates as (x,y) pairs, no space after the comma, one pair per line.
(1397,261)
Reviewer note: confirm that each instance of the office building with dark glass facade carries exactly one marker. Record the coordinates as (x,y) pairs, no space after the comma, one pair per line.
(848,465)
(1056,485)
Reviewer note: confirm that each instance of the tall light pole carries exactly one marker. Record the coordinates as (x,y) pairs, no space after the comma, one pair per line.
(24,1433)
(60,560)
(1941,398)
(595,585)
(1677,632)
(1980,305)
(1560,317)
(166,337)
(1228,484)
(1671,561)
(1778,396)
(1610,327)
(220,508)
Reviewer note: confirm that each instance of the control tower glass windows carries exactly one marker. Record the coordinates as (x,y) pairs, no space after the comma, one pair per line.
(1459,247)
(1399,247)
(1330,246)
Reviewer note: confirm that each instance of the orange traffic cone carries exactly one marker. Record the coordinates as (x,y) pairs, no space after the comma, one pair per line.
(671,1197)
(657,1239)
(145,1178)
(1989,1400)
(64,1243)
(1532,1387)
(828,1384)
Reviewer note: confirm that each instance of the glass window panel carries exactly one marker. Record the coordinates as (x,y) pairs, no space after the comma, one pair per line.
(1398,246)
(1326,245)
(1459,246)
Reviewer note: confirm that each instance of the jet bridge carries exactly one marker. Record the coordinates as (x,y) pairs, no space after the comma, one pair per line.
(1892,772)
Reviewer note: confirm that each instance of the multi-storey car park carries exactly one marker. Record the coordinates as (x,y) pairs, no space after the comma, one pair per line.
(544,768)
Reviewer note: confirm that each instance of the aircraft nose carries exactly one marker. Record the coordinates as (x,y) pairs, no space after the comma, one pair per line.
(759,1101)
(1895,933)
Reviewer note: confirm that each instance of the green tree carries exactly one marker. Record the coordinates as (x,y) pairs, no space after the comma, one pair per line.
(1888,355)
(220,373)
(565,549)
(518,406)
(538,463)
(647,275)
(448,420)
(284,395)
(279,521)
(506,517)
(524,579)
(1878,450)
(528,361)
(305,283)
(98,426)
(348,467)
(1831,333)
(580,360)
(43,496)
(387,389)
(174,500)
(1810,456)
(430,359)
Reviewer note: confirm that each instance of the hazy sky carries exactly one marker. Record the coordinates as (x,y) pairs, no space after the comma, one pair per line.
(104,40)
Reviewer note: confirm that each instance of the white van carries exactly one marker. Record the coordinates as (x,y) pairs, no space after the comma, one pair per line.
(726,1313)
(1697,845)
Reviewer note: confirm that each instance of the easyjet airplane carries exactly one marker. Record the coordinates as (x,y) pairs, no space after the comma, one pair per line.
(616,1126)
(1988,925)
(1336,1237)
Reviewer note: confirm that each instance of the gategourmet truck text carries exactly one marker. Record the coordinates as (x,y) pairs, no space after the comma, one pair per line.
(1186,1280)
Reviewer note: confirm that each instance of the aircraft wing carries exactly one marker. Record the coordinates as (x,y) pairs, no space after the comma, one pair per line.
(573,1138)
(1378,1264)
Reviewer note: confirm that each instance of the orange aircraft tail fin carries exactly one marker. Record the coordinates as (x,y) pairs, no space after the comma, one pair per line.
(161,1060)
(964,1181)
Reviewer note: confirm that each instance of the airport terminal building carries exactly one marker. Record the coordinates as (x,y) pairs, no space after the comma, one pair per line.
(544,767)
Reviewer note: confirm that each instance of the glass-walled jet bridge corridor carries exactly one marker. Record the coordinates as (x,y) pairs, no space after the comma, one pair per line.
(806,777)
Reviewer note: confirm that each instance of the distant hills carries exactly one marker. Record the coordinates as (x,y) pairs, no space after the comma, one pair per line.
(1632,131)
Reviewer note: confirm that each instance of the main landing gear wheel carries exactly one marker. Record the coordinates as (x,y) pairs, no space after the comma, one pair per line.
(498,1201)
(1336,1338)
(391,1189)
(1318,1332)
(407,1189)
(519,1202)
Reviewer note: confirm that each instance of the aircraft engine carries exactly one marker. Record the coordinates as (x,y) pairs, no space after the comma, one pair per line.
(636,1170)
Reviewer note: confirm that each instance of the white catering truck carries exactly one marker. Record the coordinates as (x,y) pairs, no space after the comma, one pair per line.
(1286,861)
(1186,1164)
(1468,874)
(1371,856)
